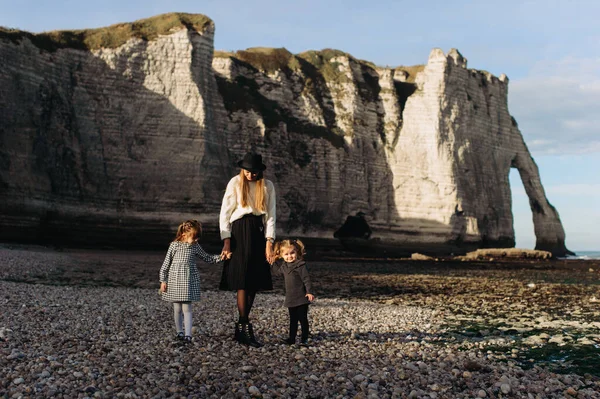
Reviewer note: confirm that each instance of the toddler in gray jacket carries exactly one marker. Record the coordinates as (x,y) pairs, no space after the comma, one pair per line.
(298,289)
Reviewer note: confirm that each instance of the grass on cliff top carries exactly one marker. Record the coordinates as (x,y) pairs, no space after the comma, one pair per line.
(270,60)
(267,59)
(264,59)
(412,71)
(317,58)
(111,36)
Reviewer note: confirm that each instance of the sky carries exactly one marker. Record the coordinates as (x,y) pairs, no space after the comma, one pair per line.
(549,49)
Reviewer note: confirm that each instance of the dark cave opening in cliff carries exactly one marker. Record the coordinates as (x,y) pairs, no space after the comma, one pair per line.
(521,210)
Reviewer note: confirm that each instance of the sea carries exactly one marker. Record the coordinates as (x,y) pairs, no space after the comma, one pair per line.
(584,255)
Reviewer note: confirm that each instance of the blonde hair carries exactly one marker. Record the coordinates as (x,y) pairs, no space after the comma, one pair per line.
(298,245)
(188,226)
(260,200)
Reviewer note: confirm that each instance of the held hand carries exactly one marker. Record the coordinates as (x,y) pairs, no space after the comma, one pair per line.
(310,297)
(163,287)
(270,253)
(226,251)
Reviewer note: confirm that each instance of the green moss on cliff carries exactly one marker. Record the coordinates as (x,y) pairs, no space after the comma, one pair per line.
(324,62)
(112,36)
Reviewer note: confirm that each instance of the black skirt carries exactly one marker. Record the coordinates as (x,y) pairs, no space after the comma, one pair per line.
(248,268)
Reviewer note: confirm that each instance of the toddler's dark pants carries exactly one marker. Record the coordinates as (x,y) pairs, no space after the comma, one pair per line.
(299,314)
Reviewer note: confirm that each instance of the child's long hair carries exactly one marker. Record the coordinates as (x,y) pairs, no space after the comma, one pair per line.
(298,245)
(188,226)
(260,202)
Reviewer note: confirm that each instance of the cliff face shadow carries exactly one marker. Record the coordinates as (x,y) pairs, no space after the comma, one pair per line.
(216,160)
(403,91)
(243,95)
(103,157)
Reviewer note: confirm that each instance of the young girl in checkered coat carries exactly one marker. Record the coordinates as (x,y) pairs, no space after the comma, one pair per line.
(179,278)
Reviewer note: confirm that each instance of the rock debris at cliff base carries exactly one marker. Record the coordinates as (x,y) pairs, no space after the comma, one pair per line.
(93,341)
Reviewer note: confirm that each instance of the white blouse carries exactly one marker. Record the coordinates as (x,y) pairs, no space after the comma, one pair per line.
(232,210)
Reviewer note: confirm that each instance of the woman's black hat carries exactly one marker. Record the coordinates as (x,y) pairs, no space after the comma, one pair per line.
(252,162)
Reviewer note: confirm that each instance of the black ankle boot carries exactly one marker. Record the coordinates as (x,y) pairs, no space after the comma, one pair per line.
(238,331)
(247,336)
(253,340)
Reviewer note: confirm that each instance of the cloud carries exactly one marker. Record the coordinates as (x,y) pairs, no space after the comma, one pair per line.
(557,106)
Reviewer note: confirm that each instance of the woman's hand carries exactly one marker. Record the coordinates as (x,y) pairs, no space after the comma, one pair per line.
(270,253)
(310,297)
(163,287)
(226,251)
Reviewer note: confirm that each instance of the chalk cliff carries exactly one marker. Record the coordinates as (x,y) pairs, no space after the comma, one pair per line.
(122,132)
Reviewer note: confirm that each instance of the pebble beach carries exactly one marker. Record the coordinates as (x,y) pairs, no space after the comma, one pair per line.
(71,326)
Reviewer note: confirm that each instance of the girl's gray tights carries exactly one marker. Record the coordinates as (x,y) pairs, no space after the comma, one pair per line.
(183,317)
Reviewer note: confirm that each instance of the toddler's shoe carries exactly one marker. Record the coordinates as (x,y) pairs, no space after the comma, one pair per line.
(187,340)
(179,336)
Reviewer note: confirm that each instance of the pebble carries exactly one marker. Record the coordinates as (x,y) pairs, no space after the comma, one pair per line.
(105,342)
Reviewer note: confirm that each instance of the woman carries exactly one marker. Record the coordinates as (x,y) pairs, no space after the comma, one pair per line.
(247,224)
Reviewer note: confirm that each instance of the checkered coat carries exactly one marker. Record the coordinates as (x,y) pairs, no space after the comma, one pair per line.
(180,273)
